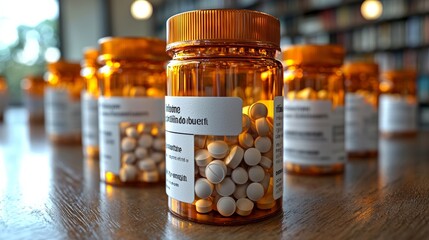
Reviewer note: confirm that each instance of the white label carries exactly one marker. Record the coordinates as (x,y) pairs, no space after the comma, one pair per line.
(371,127)
(278,147)
(355,122)
(116,110)
(186,116)
(218,116)
(397,114)
(179,179)
(89,119)
(62,114)
(338,135)
(313,133)
(34,104)
(203,115)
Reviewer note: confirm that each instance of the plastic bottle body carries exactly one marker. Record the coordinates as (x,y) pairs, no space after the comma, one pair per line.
(314,110)
(398,104)
(33,88)
(131,103)
(89,98)
(62,103)
(223,114)
(362,91)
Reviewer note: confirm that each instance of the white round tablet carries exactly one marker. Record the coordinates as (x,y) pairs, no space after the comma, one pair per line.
(131,132)
(234,157)
(218,149)
(128,158)
(141,152)
(203,205)
(245,122)
(258,110)
(256,173)
(146,164)
(226,206)
(145,141)
(239,175)
(265,162)
(158,157)
(245,140)
(216,171)
(151,176)
(128,173)
(252,156)
(203,188)
(255,191)
(159,144)
(262,127)
(263,144)
(226,187)
(244,206)
(266,181)
(128,144)
(202,157)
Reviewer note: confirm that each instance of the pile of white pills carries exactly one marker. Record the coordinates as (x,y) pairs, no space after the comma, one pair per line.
(234,173)
(142,152)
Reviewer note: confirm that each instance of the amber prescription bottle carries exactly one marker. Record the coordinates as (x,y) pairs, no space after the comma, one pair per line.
(89,72)
(223,113)
(398,103)
(62,102)
(131,116)
(3,96)
(314,109)
(33,88)
(362,90)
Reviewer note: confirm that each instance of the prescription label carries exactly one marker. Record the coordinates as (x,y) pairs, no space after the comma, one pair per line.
(89,119)
(62,113)
(116,114)
(397,114)
(355,122)
(313,132)
(34,104)
(179,168)
(278,148)
(371,127)
(203,115)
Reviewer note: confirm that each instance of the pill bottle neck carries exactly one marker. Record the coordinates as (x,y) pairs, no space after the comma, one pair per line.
(221,51)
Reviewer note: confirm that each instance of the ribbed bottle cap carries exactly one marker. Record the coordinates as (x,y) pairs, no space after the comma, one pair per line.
(132,48)
(332,55)
(223,26)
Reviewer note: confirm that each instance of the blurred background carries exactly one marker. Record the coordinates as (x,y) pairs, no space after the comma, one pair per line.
(395,33)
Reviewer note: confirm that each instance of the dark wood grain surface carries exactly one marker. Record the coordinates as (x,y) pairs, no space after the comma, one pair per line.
(49,192)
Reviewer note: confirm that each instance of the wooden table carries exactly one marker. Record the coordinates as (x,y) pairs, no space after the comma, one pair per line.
(52,192)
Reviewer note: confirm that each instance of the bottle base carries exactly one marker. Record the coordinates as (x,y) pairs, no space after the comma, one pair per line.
(362,155)
(65,140)
(35,119)
(292,168)
(398,134)
(114,180)
(187,212)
